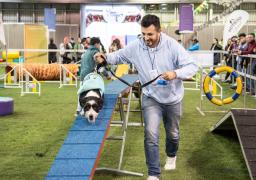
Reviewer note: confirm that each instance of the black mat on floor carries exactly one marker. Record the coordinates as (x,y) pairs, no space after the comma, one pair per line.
(242,123)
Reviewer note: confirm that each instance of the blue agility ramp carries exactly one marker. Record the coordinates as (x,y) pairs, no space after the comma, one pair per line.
(79,155)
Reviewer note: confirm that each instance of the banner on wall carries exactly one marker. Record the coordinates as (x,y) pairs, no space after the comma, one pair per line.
(235,21)
(107,21)
(186,18)
(36,37)
(50,18)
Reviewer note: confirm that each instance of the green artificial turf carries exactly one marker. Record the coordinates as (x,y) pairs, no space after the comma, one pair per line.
(2,70)
(40,125)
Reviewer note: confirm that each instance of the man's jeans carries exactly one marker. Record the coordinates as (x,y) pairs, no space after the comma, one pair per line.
(153,113)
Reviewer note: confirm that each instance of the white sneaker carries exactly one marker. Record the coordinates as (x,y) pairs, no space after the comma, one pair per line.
(170,163)
(152,178)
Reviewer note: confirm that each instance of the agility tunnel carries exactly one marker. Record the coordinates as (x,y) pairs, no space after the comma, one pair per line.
(44,71)
(241,122)
(79,155)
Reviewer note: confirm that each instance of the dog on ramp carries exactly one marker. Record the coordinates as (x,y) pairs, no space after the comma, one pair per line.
(91,95)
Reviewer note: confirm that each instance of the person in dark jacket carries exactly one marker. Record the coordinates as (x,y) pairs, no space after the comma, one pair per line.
(52,55)
(87,61)
(242,47)
(231,48)
(216,47)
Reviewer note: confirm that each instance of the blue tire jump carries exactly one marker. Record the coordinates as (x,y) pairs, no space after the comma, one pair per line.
(6,106)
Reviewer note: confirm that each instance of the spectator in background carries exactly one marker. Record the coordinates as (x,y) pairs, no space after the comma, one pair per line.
(251,45)
(231,48)
(86,42)
(78,46)
(253,73)
(72,42)
(216,47)
(115,45)
(66,56)
(241,47)
(195,45)
(250,39)
(52,55)
(87,62)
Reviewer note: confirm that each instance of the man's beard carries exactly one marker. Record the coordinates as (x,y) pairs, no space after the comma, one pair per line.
(151,43)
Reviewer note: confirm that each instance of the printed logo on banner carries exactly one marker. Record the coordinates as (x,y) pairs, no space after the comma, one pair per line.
(235,21)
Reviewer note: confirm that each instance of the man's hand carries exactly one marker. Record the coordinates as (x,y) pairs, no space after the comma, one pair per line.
(98,57)
(169,75)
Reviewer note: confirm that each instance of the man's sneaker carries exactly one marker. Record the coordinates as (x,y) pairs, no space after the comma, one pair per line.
(170,163)
(152,178)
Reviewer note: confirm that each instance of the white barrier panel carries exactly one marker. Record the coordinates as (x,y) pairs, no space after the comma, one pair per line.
(202,58)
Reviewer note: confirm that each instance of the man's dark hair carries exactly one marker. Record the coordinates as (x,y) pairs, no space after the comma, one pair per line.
(252,34)
(94,40)
(242,35)
(149,20)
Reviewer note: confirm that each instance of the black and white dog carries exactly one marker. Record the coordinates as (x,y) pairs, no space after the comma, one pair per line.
(91,102)
(91,95)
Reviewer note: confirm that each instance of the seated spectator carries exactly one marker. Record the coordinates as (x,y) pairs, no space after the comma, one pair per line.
(195,45)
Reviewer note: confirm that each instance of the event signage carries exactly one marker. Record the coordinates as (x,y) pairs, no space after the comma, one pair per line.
(235,21)
(186,18)
(50,18)
(233,5)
